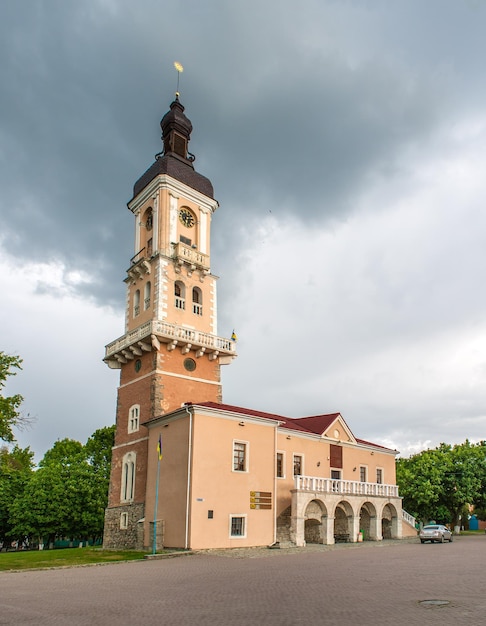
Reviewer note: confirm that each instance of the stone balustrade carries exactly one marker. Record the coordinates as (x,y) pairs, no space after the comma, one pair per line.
(345,487)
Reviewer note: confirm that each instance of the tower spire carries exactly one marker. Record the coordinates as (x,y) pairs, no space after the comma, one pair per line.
(179,69)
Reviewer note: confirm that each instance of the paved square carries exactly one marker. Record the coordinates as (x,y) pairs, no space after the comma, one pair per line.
(366,584)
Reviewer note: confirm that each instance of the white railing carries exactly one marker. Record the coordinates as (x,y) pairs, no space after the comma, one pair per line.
(191,255)
(345,487)
(410,519)
(171,332)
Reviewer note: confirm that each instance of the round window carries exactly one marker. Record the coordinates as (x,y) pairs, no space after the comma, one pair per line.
(190,364)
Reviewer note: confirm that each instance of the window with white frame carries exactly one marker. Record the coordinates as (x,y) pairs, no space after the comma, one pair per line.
(363,471)
(298,464)
(134,418)
(136,303)
(379,475)
(238,526)
(240,456)
(180,295)
(124,521)
(128,477)
(280,465)
(197,301)
(146,295)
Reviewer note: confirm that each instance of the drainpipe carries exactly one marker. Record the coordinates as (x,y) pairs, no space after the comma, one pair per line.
(188,489)
(275,485)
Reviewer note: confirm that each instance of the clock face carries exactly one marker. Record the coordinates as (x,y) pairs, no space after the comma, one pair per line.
(187,218)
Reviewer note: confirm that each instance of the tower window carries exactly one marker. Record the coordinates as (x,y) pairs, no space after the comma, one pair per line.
(180,295)
(240,456)
(185,240)
(134,418)
(149,219)
(136,303)
(128,477)
(197,301)
(146,298)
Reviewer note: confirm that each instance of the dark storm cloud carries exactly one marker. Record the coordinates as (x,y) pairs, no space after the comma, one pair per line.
(294,110)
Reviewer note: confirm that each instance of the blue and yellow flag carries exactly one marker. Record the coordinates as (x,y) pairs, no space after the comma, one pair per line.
(159,447)
(233,336)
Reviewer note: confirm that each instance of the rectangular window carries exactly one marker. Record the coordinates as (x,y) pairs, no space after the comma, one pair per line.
(297,465)
(336,454)
(239,456)
(362,474)
(180,303)
(336,474)
(197,308)
(379,476)
(280,465)
(124,521)
(185,240)
(134,419)
(238,526)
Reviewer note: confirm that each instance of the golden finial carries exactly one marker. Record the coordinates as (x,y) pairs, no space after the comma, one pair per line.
(179,69)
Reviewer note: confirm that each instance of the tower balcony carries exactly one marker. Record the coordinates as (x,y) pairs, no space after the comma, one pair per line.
(184,253)
(150,335)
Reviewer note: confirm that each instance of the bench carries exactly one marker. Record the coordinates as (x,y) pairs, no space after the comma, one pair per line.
(341,538)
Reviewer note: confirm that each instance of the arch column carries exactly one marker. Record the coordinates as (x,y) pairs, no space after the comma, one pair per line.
(354,527)
(329,533)
(375,528)
(297,530)
(297,519)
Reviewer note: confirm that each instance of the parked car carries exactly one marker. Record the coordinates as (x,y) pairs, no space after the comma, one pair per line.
(435,532)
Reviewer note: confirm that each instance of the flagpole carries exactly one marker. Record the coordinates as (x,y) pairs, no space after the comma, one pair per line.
(154,542)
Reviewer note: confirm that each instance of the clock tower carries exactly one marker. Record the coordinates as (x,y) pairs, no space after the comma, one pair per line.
(170,352)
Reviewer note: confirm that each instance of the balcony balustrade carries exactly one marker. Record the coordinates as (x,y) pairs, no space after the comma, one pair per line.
(169,333)
(344,487)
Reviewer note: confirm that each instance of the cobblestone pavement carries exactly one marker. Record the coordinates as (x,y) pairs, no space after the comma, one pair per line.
(366,584)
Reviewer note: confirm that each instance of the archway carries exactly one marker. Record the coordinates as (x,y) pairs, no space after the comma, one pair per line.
(367,521)
(389,522)
(343,515)
(314,522)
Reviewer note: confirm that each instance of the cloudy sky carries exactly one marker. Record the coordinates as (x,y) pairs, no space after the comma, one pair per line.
(346,142)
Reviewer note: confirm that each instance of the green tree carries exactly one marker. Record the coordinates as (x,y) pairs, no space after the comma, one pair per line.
(68,494)
(438,484)
(15,471)
(9,405)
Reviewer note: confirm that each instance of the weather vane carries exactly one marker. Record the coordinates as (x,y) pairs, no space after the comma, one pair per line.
(179,69)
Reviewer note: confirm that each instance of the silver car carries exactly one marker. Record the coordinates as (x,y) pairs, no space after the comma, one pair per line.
(435,532)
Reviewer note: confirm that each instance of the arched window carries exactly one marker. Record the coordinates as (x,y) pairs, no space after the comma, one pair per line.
(134,418)
(180,295)
(128,477)
(136,303)
(148,219)
(197,301)
(146,295)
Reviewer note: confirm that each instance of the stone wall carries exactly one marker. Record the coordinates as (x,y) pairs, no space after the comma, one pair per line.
(129,538)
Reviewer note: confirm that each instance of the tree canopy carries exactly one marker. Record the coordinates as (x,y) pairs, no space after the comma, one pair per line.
(438,484)
(9,405)
(67,495)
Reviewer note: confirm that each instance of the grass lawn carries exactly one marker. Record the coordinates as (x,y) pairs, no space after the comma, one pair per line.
(62,557)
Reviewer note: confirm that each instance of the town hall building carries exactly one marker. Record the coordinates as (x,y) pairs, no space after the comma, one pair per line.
(189,471)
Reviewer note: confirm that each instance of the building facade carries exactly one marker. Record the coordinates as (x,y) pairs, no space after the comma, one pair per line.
(227,476)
